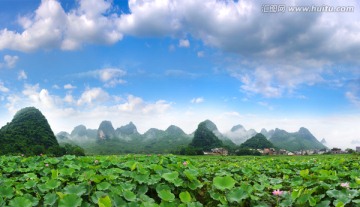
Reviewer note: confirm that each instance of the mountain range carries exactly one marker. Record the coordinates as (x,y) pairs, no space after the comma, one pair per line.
(30,133)
(126,139)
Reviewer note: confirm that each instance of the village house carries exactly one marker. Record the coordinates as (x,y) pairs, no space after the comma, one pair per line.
(269,151)
(217,151)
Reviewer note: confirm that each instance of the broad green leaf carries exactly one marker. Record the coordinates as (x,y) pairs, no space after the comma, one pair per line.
(195,184)
(356,201)
(30,184)
(75,189)
(34,201)
(171,176)
(223,183)
(129,195)
(166,195)
(70,200)
(191,174)
(142,189)
(50,199)
(6,192)
(148,204)
(185,197)
(54,174)
(237,195)
(103,186)
(323,204)
(339,203)
(20,202)
(133,166)
(60,194)
(52,184)
(104,201)
(304,173)
(312,201)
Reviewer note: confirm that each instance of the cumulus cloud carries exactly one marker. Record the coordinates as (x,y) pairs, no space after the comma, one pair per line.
(93,95)
(184,43)
(291,49)
(51,27)
(197,100)
(22,75)
(294,52)
(69,86)
(138,105)
(92,106)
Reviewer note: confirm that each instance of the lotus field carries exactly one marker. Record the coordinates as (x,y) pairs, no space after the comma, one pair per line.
(168,180)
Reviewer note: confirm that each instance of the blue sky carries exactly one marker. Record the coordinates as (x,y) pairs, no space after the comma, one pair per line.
(162,62)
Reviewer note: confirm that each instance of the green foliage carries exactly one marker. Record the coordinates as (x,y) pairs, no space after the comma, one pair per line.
(301,140)
(28,133)
(258,141)
(139,180)
(74,150)
(247,151)
(204,139)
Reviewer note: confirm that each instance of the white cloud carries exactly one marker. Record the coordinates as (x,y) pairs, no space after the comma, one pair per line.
(93,95)
(294,53)
(197,100)
(275,82)
(22,75)
(10,61)
(51,27)
(111,77)
(90,108)
(69,86)
(151,18)
(64,113)
(69,99)
(3,88)
(184,43)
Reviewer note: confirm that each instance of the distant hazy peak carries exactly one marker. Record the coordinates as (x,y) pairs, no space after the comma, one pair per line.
(237,127)
(172,129)
(128,129)
(210,125)
(304,130)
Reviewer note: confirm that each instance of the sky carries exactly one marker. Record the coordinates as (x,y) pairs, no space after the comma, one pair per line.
(161,62)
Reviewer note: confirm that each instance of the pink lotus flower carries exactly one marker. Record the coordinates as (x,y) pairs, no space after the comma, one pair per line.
(345,185)
(277,192)
(185,163)
(46,165)
(96,161)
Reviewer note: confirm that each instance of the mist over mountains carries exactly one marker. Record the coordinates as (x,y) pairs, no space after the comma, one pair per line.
(127,139)
(29,132)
